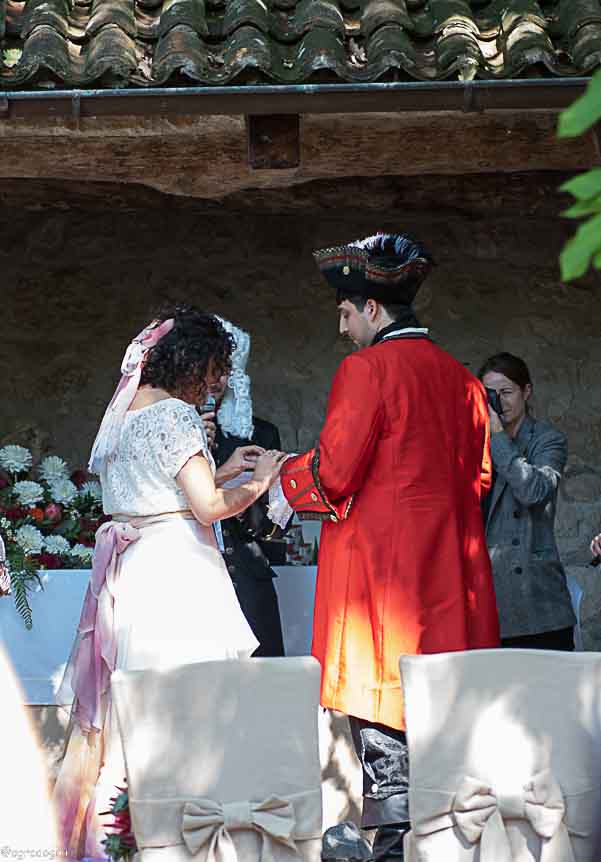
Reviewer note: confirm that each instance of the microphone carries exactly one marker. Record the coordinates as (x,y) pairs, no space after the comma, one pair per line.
(209,405)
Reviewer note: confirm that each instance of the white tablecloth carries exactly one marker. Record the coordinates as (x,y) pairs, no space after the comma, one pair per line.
(39,656)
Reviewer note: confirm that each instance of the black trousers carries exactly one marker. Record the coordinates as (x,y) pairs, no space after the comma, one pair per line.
(259,602)
(561,639)
(384,757)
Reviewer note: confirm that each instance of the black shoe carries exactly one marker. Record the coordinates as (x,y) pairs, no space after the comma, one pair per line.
(388,843)
(344,843)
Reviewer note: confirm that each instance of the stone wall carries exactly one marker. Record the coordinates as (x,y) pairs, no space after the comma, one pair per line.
(81,270)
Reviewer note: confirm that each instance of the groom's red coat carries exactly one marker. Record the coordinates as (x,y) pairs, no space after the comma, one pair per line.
(407,571)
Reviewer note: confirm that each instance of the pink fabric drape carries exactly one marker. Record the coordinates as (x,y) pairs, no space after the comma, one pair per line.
(94,652)
(107,438)
(87,678)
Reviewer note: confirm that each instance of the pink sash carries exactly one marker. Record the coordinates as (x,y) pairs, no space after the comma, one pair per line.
(88,672)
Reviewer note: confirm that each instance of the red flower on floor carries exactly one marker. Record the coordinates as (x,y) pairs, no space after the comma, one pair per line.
(120,842)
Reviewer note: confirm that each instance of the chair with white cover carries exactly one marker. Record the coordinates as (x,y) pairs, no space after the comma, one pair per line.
(222,760)
(505,756)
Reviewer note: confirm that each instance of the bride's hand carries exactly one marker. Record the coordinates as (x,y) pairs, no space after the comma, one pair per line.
(269,465)
(243,458)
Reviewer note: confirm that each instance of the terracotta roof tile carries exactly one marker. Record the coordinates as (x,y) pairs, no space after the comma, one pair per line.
(58,43)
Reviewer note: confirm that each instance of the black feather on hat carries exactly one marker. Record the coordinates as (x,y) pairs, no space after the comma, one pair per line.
(387,267)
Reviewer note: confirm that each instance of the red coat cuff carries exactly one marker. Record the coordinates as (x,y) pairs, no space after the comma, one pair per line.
(302,489)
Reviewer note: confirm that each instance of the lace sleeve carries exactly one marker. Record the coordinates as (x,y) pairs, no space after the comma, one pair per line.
(279,512)
(180,436)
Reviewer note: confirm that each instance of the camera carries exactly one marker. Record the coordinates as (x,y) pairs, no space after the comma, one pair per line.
(494,401)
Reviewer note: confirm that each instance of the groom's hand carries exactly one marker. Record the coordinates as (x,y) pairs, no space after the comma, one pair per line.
(245,458)
(208,420)
(242,459)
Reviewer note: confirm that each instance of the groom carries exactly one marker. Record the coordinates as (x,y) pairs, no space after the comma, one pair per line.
(401,464)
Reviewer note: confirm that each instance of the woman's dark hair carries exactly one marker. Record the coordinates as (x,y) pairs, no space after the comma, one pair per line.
(181,360)
(511,366)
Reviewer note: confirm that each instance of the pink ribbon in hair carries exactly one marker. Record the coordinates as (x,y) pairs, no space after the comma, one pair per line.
(109,432)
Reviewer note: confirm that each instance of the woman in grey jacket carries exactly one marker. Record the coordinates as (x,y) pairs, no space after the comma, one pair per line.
(529,456)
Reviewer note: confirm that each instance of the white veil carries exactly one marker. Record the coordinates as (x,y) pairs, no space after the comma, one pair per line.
(235,414)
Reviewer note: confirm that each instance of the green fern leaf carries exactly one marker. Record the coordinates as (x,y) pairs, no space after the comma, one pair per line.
(19,590)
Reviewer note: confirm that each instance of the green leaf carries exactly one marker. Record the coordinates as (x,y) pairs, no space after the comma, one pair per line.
(11,56)
(583,208)
(585,111)
(597,260)
(121,802)
(584,186)
(19,590)
(578,251)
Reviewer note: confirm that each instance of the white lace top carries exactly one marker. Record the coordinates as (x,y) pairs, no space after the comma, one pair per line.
(156,441)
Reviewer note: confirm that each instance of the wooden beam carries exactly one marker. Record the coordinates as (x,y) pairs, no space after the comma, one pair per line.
(507,196)
(208,157)
(273,141)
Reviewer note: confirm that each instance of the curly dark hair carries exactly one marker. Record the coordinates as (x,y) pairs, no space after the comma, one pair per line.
(196,346)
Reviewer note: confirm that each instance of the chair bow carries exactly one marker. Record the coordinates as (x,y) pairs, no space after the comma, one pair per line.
(207,822)
(479,814)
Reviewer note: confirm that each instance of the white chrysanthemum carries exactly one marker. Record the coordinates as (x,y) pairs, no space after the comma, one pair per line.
(63,491)
(6,529)
(94,489)
(29,539)
(52,469)
(28,493)
(15,459)
(57,545)
(82,552)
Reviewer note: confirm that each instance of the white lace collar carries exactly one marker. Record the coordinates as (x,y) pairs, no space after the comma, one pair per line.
(235,414)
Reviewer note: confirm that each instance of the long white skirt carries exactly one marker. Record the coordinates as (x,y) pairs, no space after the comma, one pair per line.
(174,603)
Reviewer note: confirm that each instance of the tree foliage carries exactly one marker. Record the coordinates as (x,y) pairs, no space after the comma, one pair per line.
(584,248)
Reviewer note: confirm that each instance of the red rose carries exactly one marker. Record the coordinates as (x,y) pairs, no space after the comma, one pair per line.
(53,512)
(49,561)
(16,513)
(37,514)
(80,477)
(86,539)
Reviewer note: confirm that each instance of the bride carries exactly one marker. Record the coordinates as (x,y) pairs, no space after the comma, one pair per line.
(159,594)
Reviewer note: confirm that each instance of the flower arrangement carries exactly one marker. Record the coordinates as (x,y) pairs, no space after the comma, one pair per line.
(48,519)
(120,844)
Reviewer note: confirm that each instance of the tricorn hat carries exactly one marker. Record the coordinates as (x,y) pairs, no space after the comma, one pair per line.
(387,267)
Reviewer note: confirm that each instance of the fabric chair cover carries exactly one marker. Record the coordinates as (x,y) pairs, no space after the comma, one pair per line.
(222,760)
(505,756)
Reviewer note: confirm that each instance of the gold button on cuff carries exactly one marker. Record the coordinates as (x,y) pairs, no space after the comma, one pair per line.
(314,497)
(293,483)
(333,518)
(346,270)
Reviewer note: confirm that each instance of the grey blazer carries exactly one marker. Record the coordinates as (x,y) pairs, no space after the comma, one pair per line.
(530,583)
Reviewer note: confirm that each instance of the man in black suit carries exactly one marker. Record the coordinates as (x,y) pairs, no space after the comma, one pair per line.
(246,538)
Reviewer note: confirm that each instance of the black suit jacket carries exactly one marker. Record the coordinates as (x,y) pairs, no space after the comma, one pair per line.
(246,537)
